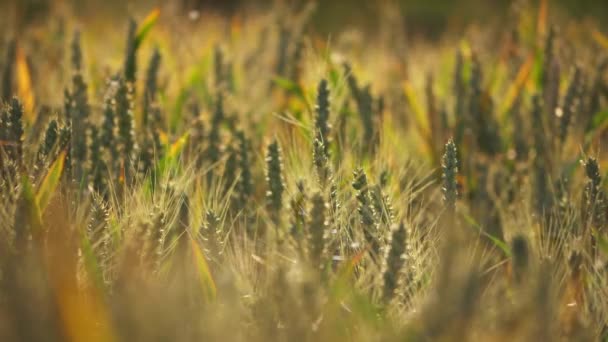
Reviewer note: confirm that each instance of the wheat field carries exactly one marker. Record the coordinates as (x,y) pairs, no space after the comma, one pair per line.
(171,175)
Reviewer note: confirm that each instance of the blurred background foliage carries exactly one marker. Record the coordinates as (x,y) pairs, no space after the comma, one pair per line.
(430,18)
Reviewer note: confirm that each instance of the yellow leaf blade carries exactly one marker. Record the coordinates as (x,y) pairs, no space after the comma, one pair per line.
(50,182)
(176,148)
(419,114)
(205,277)
(600,38)
(24,85)
(516,86)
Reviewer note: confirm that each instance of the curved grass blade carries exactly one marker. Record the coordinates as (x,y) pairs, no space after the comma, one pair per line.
(515,88)
(146,26)
(292,88)
(496,241)
(28,212)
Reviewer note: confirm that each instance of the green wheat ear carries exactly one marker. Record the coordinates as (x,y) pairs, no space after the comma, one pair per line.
(450,171)
(244,187)
(98,229)
(126,125)
(107,134)
(158,234)
(51,137)
(548,54)
(230,168)
(15,130)
(551,72)
(366,211)
(78,112)
(317,227)
(147,151)
(298,214)
(151,87)
(382,205)
(182,222)
(520,139)
(353,84)
(219,68)
(571,104)
(274,178)
(594,201)
(321,162)
(366,113)
(130,63)
(297,60)
(544,199)
(213,235)
(365,106)
(212,153)
(322,126)
(97,164)
(76,57)
(395,259)
(596,91)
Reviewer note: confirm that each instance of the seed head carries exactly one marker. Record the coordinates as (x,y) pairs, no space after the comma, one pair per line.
(274,178)
(450,172)
(394,260)
(317,227)
(322,126)
(130,64)
(151,85)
